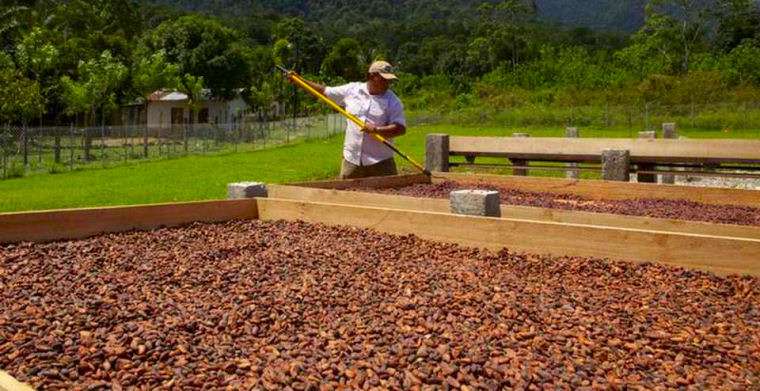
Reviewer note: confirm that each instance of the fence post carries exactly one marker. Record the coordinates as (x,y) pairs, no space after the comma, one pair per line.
(39,145)
(57,148)
(616,165)
(87,143)
(646,178)
(25,142)
(71,147)
(572,132)
(102,140)
(520,162)
(184,136)
(669,131)
(437,152)
(145,141)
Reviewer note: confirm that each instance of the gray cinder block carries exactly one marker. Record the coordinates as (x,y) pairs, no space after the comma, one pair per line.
(475,203)
(437,152)
(239,190)
(616,165)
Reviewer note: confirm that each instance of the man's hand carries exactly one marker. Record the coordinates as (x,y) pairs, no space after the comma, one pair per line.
(369,127)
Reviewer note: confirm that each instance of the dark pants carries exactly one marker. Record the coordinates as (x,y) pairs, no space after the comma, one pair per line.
(349,170)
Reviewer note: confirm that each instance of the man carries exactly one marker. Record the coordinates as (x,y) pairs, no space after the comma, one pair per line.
(382,112)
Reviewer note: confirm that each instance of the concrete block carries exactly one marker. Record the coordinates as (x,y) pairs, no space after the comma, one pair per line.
(240,190)
(437,152)
(475,203)
(646,178)
(616,165)
(572,174)
(669,130)
(519,162)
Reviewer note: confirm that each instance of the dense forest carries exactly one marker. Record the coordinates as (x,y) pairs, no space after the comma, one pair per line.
(83,59)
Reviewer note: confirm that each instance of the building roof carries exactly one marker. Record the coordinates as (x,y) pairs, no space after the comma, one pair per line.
(176,96)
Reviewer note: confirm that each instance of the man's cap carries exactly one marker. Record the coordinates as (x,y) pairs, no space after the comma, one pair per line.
(384,69)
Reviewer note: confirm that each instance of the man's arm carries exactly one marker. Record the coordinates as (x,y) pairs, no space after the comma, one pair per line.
(319,87)
(396,119)
(388,131)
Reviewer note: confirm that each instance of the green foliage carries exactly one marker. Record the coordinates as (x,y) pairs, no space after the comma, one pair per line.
(307,48)
(193,87)
(20,97)
(36,53)
(451,53)
(203,47)
(154,72)
(742,64)
(345,60)
(96,87)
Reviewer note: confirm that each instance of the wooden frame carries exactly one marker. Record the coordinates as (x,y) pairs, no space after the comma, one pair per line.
(590,149)
(589,188)
(721,254)
(81,223)
(9,383)
(512,211)
(597,189)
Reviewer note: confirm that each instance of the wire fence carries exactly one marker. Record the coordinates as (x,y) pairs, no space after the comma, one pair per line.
(57,149)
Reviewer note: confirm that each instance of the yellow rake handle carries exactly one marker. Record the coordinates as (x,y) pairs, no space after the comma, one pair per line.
(299,81)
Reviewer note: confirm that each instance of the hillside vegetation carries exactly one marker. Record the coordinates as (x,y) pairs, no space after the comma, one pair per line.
(555,61)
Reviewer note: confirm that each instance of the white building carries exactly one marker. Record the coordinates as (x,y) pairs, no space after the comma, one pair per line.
(167,109)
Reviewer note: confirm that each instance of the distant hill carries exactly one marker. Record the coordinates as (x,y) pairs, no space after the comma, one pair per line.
(611,15)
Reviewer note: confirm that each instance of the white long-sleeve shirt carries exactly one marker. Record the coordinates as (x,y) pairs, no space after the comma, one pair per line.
(361,148)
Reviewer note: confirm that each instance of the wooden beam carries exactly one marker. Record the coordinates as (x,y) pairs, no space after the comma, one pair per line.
(373,182)
(9,383)
(590,149)
(713,253)
(601,190)
(514,212)
(81,223)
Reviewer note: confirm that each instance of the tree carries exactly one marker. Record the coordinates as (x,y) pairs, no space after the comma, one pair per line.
(738,20)
(10,21)
(308,47)
(504,24)
(202,47)
(20,101)
(742,64)
(20,97)
(96,89)
(674,30)
(282,52)
(153,72)
(344,60)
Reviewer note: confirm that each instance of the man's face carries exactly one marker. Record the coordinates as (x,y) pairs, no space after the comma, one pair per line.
(377,83)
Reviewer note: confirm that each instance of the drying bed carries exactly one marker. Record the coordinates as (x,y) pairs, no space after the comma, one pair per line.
(659,208)
(269,304)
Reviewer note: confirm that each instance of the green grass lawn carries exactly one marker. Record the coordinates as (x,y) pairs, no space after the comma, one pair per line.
(205,177)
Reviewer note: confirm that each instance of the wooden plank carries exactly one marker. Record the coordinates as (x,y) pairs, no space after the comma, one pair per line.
(9,383)
(713,253)
(590,149)
(601,190)
(81,223)
(374,182)
(514,211)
